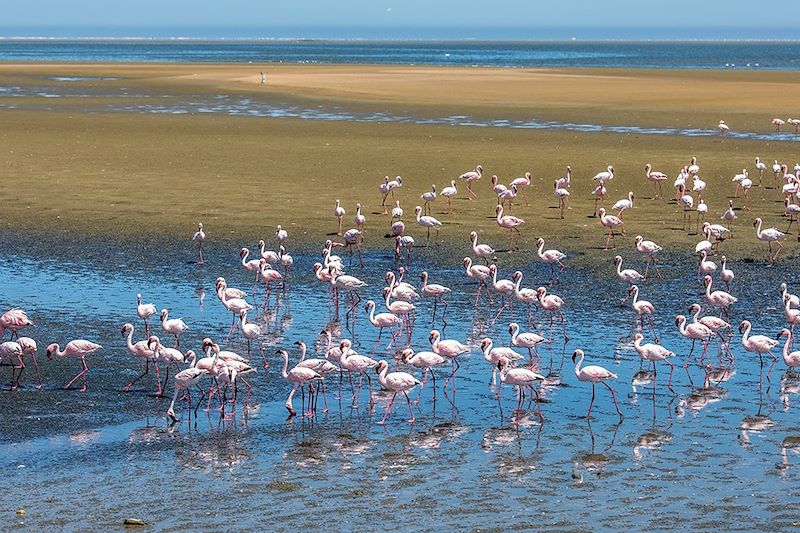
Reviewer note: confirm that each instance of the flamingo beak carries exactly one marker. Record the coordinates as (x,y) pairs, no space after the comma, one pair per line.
(49,355)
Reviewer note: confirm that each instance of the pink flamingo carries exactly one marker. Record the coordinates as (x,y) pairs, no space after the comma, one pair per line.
(381,321)
(184,380)
(339,213)
(426,361)
(281,234)
(437,293)
(323,367)
(656,178)
(427,222)
(653,353)
(471,176)
(792,359)
(354,237)
(270,256)
(480,274)
(695,331)
(526,340)
(503,287)
(403,309)
(388,187)
(229,292)
(759,344)
(492,355)
(599,194)
(400,289)
(349,284)
(508,222)
(523,378)
(299,377)
(449,192)
(769,235)
(353,362)
(705,266)
(251,332)
(715,324)
(448,348)
(145,311)
(14,320)
(629,275)
(552,258)
(649,249)
(594,374)
(622,205)
(395,382)
(611,222)
(235,306)
(525,295)
(359,220)
(720,299)
(141,349)
(484,251)
(427,198)
(251,265)
(562,195)
(11,354)
(29,348)
(642,308)
(726,273)
(173,326)
(268,275)
(522,182)
(75,348)
(553,304)
(198,239)
(169,356)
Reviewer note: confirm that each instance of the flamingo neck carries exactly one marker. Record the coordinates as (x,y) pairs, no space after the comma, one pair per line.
(696,316)
(284,372)
(382,376)
(578,364)
(302,351)
(487,350)
(246,254)
(787,346)
(619,267)
(129,339)
(746,334)
(541,249)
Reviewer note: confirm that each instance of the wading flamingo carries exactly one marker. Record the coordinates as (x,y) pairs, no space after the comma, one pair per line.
(145,311)
(552,258)
(654,353)
(395,382)
(199,238)
(78,348)
(594,374)
(523,378)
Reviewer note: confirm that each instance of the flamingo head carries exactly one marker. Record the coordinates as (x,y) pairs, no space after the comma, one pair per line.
(479,168)
(381,366)
(539,241)
(243,314)
(200,226)
(467,262)
(406,354)
(502,363)
(434,336)
(418,209)
(389,277)
(301,344)
(743,325)
(617,260)
(486,341)
(602,212)
(370,305)
(783,332)
(207,343)
(51,350)
(707,281)
(541,291)
(517,275)
(282,353)
(638,337)
(244,251)
(694,308)
(756,222)
(498,209)
(164,314)
(783,287)
(511,327)
(492,268)
(126,328)
(647,167)
(680,319)
(576,354)
(423,276)
(633,289)
(638,239)
(152,343)
(473,236)
(190,355)
(386,291)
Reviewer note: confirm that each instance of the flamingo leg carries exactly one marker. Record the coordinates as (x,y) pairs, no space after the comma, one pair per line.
(411,410)
(613,397)
(388,408)
(591,403)
(143,374)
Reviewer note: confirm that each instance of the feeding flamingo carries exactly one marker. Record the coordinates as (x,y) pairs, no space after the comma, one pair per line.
(78,348)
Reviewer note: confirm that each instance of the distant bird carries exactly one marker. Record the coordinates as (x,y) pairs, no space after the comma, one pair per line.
(565,181)
(184,381)
(792,359)
(173,326)
(550,257)
(388,187)
(729,216)
(521,183)
(621,205)
(339,213)
(436,292)
(720,299)
(359,220)
(498,187)
(656,178)
(427,198)
(449,193)
(722,127)
(628,275)
(508,222)
(705,266)
(78,348)
(605,176)
(471,176)
(250,330)
(726,273)
(793,212)
(397,211)
(693,168)
(777,122)
(145,311)
(611,222)
(427,222)
(562,195)
(702,211)
(281,234)
(199,238)
(761,167)
(769,235)
(686,202)
(483,251)
(594,374)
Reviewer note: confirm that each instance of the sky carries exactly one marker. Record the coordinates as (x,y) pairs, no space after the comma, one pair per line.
(370,18)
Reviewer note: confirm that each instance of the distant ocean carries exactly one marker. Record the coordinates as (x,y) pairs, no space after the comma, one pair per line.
(624,54)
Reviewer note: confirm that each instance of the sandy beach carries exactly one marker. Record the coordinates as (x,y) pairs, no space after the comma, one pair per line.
(129,174)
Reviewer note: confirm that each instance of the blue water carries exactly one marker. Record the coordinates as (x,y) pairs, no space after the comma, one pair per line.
(662,55)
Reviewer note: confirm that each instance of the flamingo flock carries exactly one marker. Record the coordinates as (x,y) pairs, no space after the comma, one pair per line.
(391,314)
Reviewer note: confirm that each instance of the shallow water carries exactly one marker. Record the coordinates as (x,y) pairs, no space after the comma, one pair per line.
(87,461)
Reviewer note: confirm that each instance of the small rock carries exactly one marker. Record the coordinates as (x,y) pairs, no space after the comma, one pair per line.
(21,512)
(134,522)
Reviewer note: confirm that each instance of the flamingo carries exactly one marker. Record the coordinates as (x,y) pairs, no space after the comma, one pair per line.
(400,289)
(715,324)
(353,362)
(141,349)
(522,182)
(605,176)
(397,211)
(792,359)
(761,167)
(508,222)
(349,284)
(599,194)
(726,273)
(381,321)
(552,258)
(777,122)
(388,187)
(144,311)
(483,251)
(656,178)
(622,205)
(776,168)
(427,198)
(79,348)
(471,176)
(699,187)
(648,249)
(693,169)
(359,220)
(251,265)
(702,211)
(173,326)
(270,256)
(523,378)
(628,275)
(492,355)
(339,213)
(251,332)
(759,344)
(480,274)
(169,356)
(354,237)
(199,238)
(503,287)
(524,295)
(553,304)
(562,195)
(234,305)
(11,354)
(14,320)
(427,222)
(29,348)
(793,212)
(729,216)
(449,192)
(792,315)
(594,374)
(286,260)
(436,292)
(508,195)
(321,366)
(642,308)
(611,222)
(769,235)
(281,234)
(401,308)
(654,353)
(705,266)
(526,340)
(184,380)
(565,181)
(722,127)
(448,348)
(793,299)
(403,242)
(687,202)
(746,184)
(680,183)
(395,382)
(426,361)
(720,299)
(696,331)
(299,377)
(267,274)
(738,179)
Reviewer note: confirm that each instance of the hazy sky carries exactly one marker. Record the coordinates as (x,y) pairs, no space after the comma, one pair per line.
(679,17)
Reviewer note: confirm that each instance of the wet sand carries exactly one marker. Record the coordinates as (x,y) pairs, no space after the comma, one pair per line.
(145,176)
